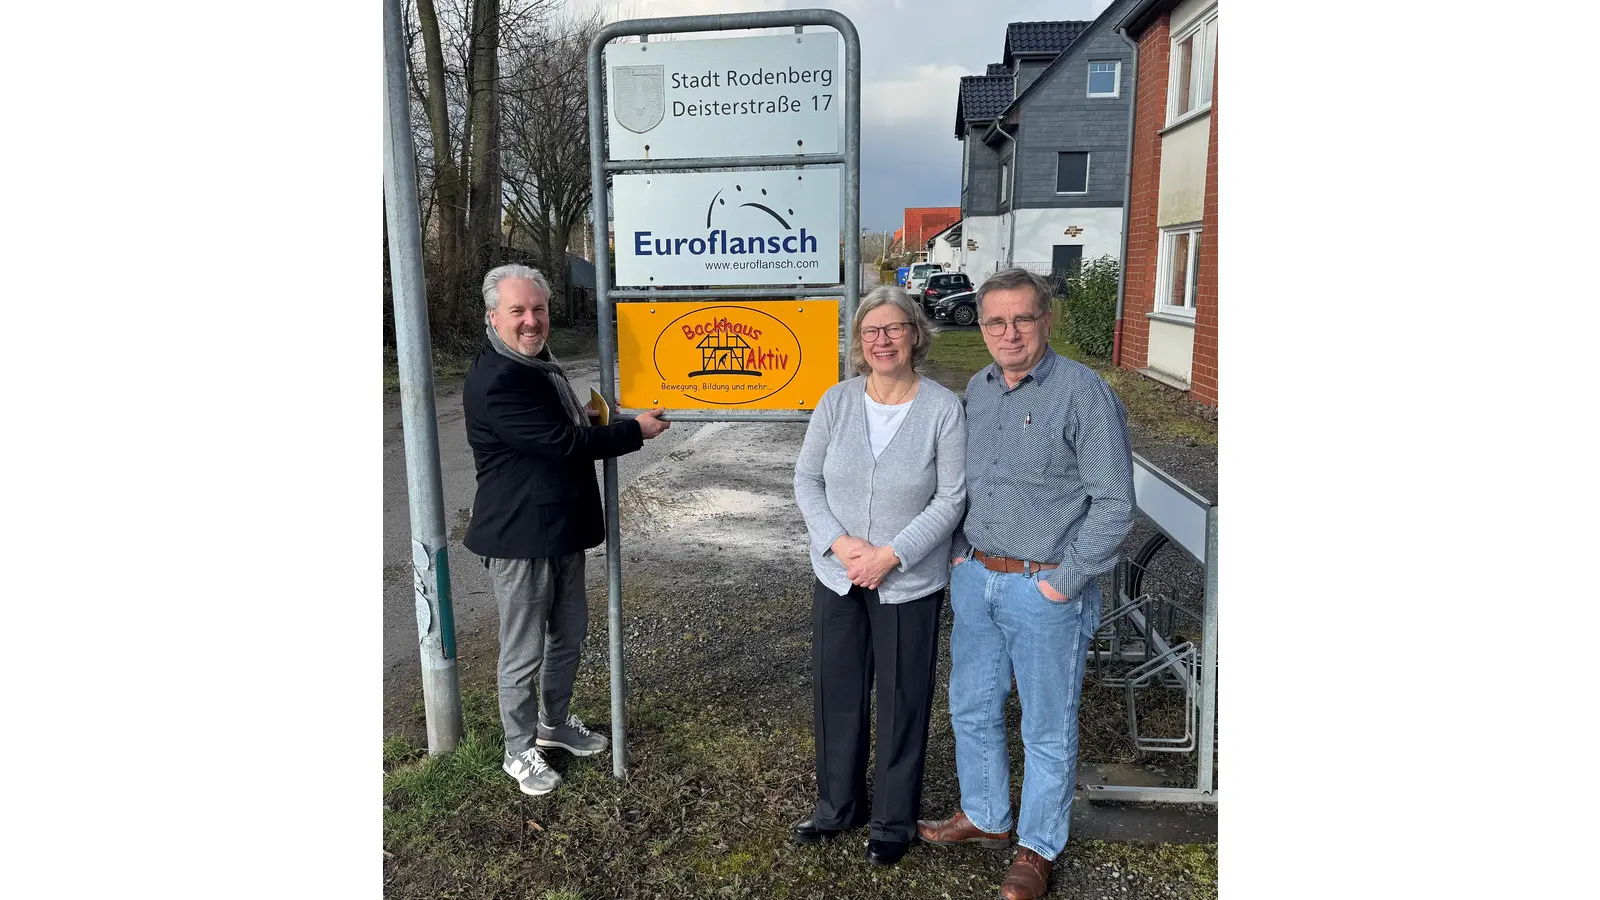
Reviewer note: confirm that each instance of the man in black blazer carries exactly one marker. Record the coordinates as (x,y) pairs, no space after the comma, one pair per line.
(537,510)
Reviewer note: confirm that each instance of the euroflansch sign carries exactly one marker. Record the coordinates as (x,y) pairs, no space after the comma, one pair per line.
(757,96)
(727,228)
(727,355)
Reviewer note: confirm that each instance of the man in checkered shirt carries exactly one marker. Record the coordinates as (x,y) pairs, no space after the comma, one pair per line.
(1050,498)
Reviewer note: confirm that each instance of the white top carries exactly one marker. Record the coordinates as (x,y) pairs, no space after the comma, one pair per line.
(882,423)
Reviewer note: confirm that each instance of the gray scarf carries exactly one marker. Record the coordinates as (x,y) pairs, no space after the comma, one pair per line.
(545,362)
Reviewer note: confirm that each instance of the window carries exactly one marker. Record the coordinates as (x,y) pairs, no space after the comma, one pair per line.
(966,164)
(1194,58)
(1072,173)
(1177,269)
(1005,182)
(1105,78)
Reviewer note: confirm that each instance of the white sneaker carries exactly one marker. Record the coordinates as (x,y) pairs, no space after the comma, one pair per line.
(573,737)
(534,776)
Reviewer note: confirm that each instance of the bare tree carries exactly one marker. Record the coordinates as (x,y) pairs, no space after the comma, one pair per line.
(483,110)
(546,142)
(457,76)
(449,206)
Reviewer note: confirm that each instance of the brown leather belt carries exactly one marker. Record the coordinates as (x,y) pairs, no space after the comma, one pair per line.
(1007,564)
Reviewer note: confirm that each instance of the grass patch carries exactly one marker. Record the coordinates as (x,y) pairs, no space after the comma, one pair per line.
(704,811)
(448,364)
(1154,410)
(424,795)
(398,750)
(1190,870)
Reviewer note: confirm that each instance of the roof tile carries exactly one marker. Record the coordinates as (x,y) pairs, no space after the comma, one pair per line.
(982,97)
(1041,37)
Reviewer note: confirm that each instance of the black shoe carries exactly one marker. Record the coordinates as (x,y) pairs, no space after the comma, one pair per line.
(886,853)
(808,833)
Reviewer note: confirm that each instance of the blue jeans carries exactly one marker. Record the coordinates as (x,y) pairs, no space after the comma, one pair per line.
(1003,627)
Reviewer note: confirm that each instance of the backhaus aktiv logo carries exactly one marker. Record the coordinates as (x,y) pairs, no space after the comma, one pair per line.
(768,355)
(727,354)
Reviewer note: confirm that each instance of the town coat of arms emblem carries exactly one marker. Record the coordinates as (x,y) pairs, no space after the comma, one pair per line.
(638,96)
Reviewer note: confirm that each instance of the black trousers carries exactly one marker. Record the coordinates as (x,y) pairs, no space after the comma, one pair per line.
(853,638)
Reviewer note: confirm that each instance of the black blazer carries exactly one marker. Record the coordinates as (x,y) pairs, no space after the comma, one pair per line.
(537,494)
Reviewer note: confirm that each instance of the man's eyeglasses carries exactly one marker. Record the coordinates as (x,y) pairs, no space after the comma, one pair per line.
(893,330)
(1025,325)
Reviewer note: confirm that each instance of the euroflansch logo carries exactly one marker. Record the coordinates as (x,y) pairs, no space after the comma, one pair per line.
(743,242)
(744,228)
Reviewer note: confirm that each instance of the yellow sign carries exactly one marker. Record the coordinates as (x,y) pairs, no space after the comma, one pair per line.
(755,355)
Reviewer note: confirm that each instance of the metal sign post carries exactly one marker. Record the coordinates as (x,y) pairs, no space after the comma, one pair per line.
(641,89)
(441,688)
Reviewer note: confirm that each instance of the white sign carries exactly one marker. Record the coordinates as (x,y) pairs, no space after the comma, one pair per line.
(727,228)
(758,96)
(1178,514)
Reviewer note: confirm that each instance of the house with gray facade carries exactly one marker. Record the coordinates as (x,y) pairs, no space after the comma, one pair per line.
(1044,136)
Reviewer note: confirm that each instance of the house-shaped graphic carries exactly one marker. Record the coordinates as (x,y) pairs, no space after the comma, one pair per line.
(723,353)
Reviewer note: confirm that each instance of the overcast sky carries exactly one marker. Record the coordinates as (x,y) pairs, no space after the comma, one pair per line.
(913,53)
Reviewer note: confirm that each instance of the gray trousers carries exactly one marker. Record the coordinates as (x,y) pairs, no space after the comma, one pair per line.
(544,617)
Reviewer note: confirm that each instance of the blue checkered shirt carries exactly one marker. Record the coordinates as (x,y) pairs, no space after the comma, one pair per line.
(1049,470)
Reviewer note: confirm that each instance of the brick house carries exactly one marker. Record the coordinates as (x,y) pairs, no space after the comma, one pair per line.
(1168,327)
(921,223)
(1044,139)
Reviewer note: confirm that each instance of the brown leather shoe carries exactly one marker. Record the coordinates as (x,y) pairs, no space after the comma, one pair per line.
(958,829)
(1028,878)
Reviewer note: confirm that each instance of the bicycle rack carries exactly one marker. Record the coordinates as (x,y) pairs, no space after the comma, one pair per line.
(1184,661)
(1139,635)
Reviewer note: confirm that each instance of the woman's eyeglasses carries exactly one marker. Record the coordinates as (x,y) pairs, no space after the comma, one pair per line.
(893,330)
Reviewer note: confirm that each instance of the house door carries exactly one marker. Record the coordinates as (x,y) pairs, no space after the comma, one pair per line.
(1064,261)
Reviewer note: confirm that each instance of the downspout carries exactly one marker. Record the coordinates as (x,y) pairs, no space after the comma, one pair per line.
(1011,195)
(1127,198)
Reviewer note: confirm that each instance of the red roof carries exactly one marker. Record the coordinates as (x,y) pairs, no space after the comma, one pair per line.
(923,222)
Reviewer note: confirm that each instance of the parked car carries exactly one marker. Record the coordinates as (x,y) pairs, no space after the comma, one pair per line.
(943,284)
(960,308)
(917,278)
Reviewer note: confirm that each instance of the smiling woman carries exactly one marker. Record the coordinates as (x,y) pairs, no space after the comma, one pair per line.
(919,340)
(881,482)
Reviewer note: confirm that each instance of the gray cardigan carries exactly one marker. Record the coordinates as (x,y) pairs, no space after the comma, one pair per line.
(911,498)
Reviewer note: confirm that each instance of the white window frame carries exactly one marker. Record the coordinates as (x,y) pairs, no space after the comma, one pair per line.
(1201,68)
(1005,182)
(1191,274)
(966,164)
(1116,77)
(1087,161)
